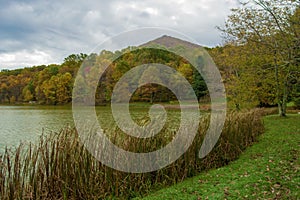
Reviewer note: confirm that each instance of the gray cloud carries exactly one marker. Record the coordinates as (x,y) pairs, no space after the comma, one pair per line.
(42,32)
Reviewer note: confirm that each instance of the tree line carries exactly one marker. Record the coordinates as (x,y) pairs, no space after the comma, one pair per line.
(53,84)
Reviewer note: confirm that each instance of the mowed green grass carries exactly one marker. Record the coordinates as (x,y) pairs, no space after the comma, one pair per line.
(270,169)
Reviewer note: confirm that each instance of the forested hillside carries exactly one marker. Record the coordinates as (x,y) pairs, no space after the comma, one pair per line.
(53,84)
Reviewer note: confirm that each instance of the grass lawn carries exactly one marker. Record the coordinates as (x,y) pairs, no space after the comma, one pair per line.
(269,169)
(290,104)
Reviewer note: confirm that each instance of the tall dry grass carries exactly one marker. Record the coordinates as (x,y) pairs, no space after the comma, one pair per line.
(59,167)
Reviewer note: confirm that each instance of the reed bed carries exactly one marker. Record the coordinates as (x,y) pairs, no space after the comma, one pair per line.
(59,167)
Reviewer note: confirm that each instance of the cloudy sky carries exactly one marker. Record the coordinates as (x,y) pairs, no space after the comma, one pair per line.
(34,32)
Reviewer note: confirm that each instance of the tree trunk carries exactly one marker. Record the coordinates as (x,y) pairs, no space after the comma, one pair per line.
(284,99)
(152,98)
(281,100)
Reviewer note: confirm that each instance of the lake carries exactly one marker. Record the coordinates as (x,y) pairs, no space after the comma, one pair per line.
(26,123)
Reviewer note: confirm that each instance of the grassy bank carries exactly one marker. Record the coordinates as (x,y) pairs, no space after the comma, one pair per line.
(268,170)
(59,167)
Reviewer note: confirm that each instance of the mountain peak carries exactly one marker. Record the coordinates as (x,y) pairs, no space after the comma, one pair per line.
(169,42)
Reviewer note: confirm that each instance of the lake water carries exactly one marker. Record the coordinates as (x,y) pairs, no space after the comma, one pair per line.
(26,123)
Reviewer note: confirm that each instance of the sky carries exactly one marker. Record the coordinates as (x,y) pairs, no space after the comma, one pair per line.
(34,32)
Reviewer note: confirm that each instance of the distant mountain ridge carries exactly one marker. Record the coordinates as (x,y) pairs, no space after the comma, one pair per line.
(169,42)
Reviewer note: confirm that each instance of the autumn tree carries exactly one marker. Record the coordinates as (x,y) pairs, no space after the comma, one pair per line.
(271,25)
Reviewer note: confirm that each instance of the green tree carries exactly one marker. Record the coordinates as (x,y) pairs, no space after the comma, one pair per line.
(199,84)
(273,26)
